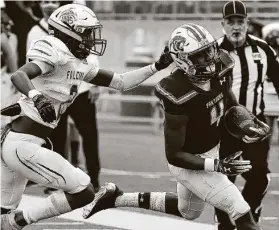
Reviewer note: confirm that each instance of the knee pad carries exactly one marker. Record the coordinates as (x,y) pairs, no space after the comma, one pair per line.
(188,212)
(230,201)
(83,180)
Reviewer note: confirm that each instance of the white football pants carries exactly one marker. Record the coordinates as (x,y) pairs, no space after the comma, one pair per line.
(195,188)
(23,159)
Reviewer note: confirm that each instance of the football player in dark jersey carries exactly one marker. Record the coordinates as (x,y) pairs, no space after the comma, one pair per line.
(194,98)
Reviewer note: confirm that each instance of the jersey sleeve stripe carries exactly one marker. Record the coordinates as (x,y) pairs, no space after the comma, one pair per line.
(43,52)
(173,99)
(46,42)
(42,46)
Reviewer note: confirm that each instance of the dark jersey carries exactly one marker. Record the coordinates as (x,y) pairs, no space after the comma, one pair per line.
(179,97)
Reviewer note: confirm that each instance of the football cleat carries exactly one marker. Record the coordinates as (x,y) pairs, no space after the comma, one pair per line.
(104,199)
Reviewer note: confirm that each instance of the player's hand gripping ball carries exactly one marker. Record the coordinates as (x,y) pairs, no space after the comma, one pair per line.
(242,124)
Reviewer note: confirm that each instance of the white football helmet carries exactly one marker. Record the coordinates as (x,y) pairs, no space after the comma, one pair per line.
(78,27)
(195,51)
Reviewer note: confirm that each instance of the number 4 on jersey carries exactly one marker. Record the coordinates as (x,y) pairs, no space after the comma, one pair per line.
(64,106)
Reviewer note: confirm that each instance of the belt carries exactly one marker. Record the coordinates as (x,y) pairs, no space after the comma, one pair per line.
(24,124)
(35,129)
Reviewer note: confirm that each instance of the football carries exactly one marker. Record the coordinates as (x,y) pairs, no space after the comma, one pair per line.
(238,120)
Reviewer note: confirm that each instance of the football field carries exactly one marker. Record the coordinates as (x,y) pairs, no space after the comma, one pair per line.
(133,158)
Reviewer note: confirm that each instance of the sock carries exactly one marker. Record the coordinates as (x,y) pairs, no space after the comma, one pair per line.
(74,151)
(165,202)
(54,205)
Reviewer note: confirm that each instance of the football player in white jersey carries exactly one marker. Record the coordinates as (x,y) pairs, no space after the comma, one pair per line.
(49,83)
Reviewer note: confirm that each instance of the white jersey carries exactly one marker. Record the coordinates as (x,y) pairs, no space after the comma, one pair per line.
(60,79)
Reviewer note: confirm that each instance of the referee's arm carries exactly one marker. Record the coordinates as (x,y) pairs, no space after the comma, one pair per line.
(273,68)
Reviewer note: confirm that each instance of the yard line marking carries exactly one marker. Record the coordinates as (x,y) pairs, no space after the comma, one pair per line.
(59,223)
(270,218)
(124,219)
(81,228)
(116,172)
(273,192)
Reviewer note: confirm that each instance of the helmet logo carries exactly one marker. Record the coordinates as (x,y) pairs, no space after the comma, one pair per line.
(68,16)
(178,42)
(204,42)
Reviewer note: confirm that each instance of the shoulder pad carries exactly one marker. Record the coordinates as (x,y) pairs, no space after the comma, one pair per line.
(175,88)
(48,49)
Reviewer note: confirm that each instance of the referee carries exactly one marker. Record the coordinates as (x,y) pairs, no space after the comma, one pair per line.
(254,61)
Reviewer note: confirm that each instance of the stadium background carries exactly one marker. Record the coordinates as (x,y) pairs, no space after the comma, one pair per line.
(131,141)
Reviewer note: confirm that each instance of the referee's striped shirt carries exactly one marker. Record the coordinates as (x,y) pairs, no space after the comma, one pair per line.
(254,61)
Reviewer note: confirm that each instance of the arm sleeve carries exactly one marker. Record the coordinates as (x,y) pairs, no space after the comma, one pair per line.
(131,79)
(273,68)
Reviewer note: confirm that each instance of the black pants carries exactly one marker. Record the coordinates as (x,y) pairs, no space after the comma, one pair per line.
(257,179)
(83,113)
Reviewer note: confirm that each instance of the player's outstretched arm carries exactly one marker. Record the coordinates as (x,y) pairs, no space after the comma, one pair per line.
(131,79)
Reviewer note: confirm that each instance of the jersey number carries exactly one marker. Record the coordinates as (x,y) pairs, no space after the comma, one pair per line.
(216,112)
(63,106)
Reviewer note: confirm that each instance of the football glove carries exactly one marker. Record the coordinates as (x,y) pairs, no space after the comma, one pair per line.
(260,133)
(232,167)
(45,108)
(165,60)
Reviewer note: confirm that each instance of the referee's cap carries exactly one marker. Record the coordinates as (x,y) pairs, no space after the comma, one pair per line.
(234,8)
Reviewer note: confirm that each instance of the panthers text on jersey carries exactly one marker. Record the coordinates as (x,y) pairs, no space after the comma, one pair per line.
(60,82)
(179,97)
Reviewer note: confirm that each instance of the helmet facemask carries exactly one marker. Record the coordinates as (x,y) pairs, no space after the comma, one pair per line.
(92,42)
(202,64)
(87,41)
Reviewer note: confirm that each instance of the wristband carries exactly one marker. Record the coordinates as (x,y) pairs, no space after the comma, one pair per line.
(32,93)
(209,165)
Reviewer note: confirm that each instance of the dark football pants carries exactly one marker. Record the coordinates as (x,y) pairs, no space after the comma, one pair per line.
(257,179)
(83,113)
